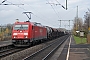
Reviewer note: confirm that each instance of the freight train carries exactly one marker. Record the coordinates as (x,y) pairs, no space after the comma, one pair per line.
(28,33)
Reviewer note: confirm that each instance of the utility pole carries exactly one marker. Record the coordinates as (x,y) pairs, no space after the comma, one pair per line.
(66,4)
(65,20)
(77,11)
(88,35)
(88,21)
(77,26)
(77,22)
(29,16)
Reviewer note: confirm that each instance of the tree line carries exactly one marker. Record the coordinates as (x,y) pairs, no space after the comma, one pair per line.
(80,25)
(5,31)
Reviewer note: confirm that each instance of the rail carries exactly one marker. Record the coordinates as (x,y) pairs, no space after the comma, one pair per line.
(43,49)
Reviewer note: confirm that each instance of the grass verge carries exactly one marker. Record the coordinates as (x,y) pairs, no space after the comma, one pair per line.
(80,40)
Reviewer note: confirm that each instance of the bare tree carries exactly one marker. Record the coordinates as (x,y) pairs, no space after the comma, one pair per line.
(87,18)
(78,23)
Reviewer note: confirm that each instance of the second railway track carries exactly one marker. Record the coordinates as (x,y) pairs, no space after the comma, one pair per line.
(44,53)
(10,51)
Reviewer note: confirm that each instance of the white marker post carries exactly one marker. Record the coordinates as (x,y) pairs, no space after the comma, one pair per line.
(81,35)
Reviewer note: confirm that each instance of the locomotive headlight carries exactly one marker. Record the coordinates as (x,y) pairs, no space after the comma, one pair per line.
(14,37)
(25,33)
(26,37)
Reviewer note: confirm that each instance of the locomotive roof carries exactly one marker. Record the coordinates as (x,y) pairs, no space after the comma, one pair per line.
(23,23)
(32,23)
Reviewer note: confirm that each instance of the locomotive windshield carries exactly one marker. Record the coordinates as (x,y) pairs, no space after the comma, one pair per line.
(20,27)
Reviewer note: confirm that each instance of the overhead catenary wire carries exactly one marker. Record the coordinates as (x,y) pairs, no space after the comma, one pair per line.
(38,12)
(61,4)
(26,10)
(9,4)
(35,14)
(57,2)
(44,18)
(69,11)
(56,9)
(53,9)
(21,8)
(16,5)
(3,1)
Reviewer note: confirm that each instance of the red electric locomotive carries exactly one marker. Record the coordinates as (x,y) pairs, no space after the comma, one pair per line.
(27,33)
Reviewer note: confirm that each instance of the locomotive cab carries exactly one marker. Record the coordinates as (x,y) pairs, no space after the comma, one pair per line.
(27,33)
(20,33)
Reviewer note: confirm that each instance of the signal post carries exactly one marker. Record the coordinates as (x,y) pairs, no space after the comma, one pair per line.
(88,35)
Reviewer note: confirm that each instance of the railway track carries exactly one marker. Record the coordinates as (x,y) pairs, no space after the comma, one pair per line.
(2,48)
(19,53)
(7,52)
(47,51)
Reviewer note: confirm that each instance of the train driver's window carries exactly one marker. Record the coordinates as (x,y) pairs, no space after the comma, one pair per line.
(32,27)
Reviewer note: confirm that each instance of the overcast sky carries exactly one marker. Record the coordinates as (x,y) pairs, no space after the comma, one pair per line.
(43,12)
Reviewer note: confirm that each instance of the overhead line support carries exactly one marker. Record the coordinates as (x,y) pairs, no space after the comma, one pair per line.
(65,20)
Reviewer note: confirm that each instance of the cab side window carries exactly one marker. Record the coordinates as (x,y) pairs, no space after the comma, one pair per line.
(32,27)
